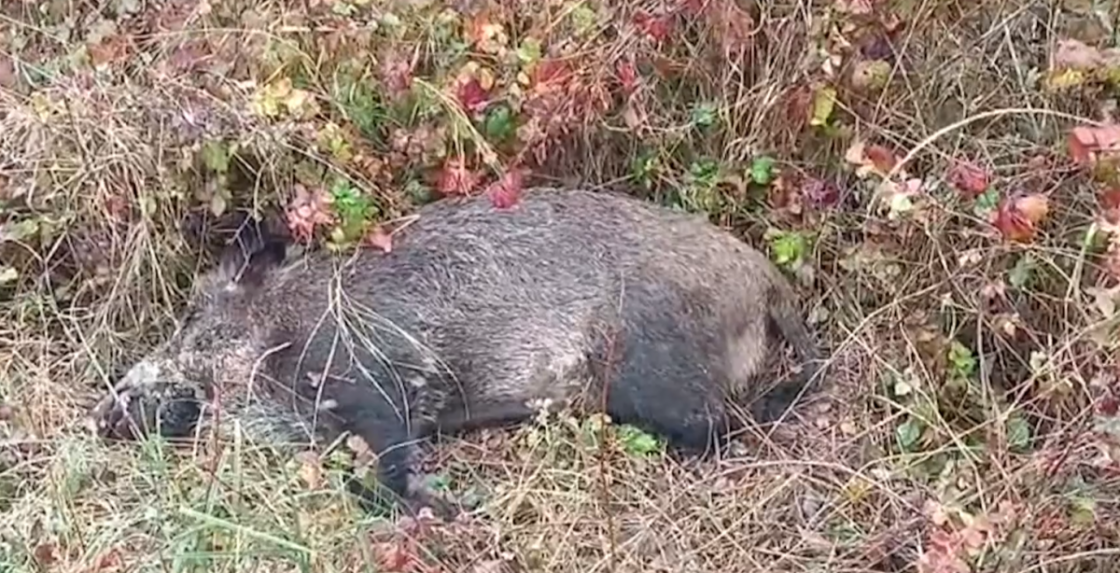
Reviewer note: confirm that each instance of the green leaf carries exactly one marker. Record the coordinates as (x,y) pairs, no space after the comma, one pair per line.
(529,51)
(787,247)
(584,18)
(1018,433)
(1083,510)
(1022,272)
(704,115)
(824,101)
(215,155)
(908,433)
(960,356)
(19,231)
(499,123)
(985,203)
(762,170)
(638,443)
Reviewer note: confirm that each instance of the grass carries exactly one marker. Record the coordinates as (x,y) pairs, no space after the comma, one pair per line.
(969,422)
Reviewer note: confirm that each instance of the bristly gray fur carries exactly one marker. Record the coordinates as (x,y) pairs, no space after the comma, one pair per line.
(593,299)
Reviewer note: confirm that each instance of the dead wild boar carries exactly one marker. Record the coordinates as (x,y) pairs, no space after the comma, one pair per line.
(593,300)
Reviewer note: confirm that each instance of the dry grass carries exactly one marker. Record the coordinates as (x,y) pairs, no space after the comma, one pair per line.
(105,186)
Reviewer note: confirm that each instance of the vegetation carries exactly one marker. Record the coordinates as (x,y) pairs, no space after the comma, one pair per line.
(940,177)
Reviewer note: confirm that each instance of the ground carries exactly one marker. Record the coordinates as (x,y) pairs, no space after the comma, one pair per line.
(938,178)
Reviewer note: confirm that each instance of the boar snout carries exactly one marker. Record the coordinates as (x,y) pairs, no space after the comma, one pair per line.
(140,405)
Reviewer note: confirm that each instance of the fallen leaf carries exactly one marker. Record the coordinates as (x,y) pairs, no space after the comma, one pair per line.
(393,557)
(969,179)
(824,100)
(1076,55)
(46,554)
(1088,143)
(627,73)
(471,95)
(870,159)
(870,75)
(819,192)
(379,238)
(655,27)
(7,72)
(308,210)
(1018,218)
(506,191)
(309,469)
(455,178)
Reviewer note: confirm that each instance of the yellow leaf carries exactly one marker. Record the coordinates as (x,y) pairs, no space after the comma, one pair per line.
(824,101)
(485,79)
(1064,79)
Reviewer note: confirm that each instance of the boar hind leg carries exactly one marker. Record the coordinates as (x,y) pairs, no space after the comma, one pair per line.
(659,374)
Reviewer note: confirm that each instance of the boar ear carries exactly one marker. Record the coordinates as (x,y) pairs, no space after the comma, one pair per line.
(253,253)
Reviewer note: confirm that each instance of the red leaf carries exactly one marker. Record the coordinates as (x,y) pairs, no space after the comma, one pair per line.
(1087,143)
(379,238)
(506,192)
(455,178)
(880,157)
(1110,200)
(656,27)
(551,72)
(969,179)
(396,74)
(308,210)
(394,557)
(1018,218)
(819,192)
(627,75)
(471,96)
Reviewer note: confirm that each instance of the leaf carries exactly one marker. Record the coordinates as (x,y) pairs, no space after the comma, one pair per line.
(499,125)
(871,75)
(18,230)
(969,179)
(1076,55)
(1087,144)
(908,433)
(986,203)
(8,275)
(1018,218)
(309,470)
(379,238)
(506,191)
(870,159)
(1021,273)
(1018,433)
(529,51)
(637,442)
(788,247)
(627,72)
(308,211)
(455,178)
(961,359)
(654,27)
(471,95)
(819,192)
(704,115)
(215,155)
(824,101)
(762,170)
